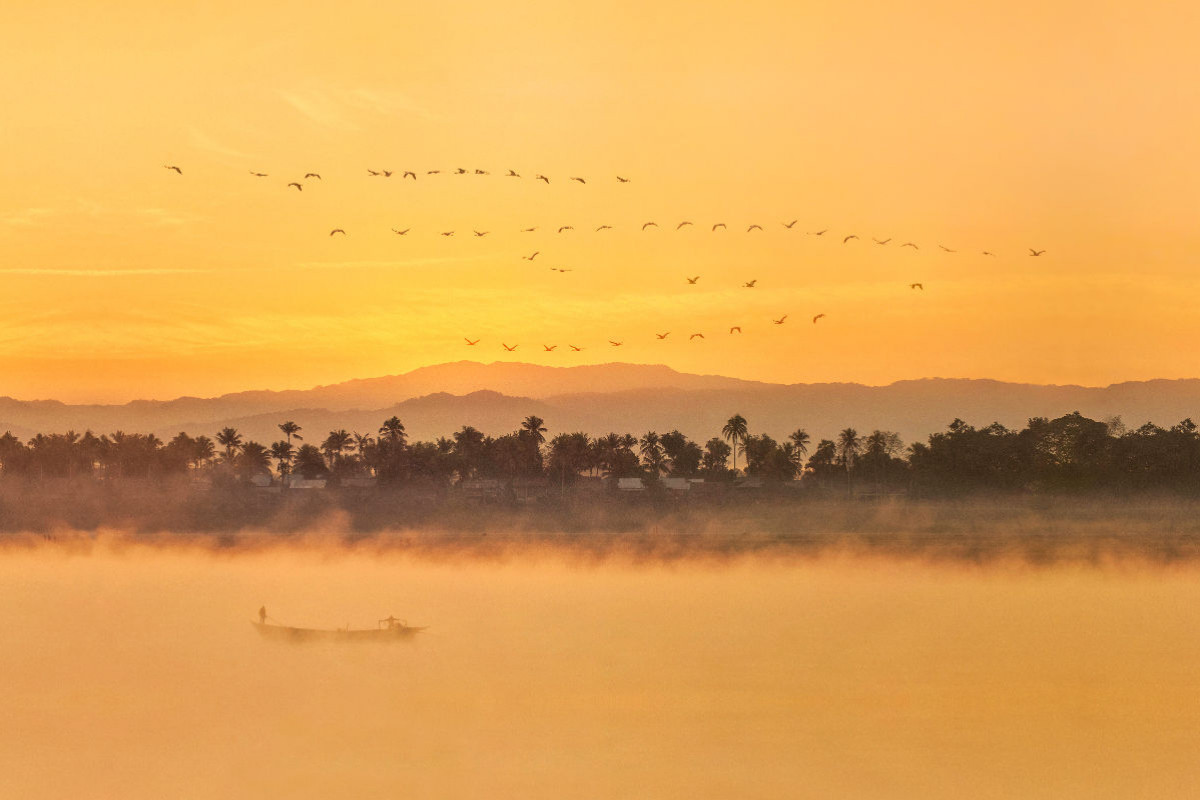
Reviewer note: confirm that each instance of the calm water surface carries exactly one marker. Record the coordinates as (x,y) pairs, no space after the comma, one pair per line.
(136,674)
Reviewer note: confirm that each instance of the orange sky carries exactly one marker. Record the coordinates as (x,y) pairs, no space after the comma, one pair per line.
(1074,128)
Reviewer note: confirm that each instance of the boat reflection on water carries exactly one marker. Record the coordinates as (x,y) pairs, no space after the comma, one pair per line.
(388,630)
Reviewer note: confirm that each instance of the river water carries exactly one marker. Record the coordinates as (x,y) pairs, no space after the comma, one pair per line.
(134,672)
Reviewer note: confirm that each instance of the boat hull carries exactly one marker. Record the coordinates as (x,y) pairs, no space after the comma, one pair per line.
(290,634)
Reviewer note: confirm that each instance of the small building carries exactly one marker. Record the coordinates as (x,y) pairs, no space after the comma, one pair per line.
(262,480)
(631,485)
(676,484)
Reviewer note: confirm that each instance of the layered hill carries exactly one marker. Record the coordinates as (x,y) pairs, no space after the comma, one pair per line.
(435,401)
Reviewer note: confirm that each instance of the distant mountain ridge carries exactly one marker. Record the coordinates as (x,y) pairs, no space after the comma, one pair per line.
(437,400)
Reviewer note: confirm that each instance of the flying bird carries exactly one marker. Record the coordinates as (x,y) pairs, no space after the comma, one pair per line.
(409,174)
(848,238)
(399,232)
(542,178)
(989,253)
(750,284)
(1033,252)
(780,320)
(817,317)
(482,172)
(573,347)
(648,224)
(881,241)
(692,280)
(258,174)
(312,175)
(615,344)
(680,225)
(910,244)
(510,349)
(947,249)
(663,335)
(172,166)
(920,286)
(789,225)
(560,269)
(549,348)
(460,171)
(818,233)
(469,342)
(299,188)
(529,230)
(566,228)
(337,230)
(622,180)
(718,225)
(736,329)
(480,233)
(694,335)
(512,174)
(447,233)
(604,228)
(752,227)
(532,257)
(581,180)
(433,172)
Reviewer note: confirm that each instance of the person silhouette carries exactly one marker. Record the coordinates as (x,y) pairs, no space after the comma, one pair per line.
(262,615)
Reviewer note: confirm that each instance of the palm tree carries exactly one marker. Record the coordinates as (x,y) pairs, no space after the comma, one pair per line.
(533,427)
(291,429)
(231,440)
(254,458)
(735,431)
(469,451)
(282,452)
(652,454)
(848,446)
(799,440)
(309,462)
(364,446)
(204,450)
(392,431)
(336,443)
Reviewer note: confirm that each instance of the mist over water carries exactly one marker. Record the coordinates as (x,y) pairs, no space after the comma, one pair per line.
(132,671)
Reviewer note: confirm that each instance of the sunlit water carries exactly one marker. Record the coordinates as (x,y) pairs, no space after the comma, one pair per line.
(138,675)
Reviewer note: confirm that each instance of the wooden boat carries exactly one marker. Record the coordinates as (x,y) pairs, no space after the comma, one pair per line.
(389,630)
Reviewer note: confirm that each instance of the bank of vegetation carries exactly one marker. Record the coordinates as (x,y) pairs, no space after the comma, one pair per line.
(1069,454)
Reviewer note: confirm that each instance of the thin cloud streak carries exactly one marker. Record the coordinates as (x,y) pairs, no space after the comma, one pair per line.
(334,107)
(25,217)
(410,262)
(203,141)
(98,273)
(318,107)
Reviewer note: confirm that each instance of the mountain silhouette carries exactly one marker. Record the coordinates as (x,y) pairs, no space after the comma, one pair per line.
(437,400)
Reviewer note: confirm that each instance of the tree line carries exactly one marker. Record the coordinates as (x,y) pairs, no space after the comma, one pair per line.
(1071,452)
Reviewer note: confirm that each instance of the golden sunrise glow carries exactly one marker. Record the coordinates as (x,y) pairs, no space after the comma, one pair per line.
(1071,127)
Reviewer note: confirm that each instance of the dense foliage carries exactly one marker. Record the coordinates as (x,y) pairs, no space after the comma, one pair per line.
(1070,453)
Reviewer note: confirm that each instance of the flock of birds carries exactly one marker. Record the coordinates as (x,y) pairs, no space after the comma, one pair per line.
(736,329)
(387,173)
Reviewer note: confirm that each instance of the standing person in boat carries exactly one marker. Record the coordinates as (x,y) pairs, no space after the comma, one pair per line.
(262,615)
